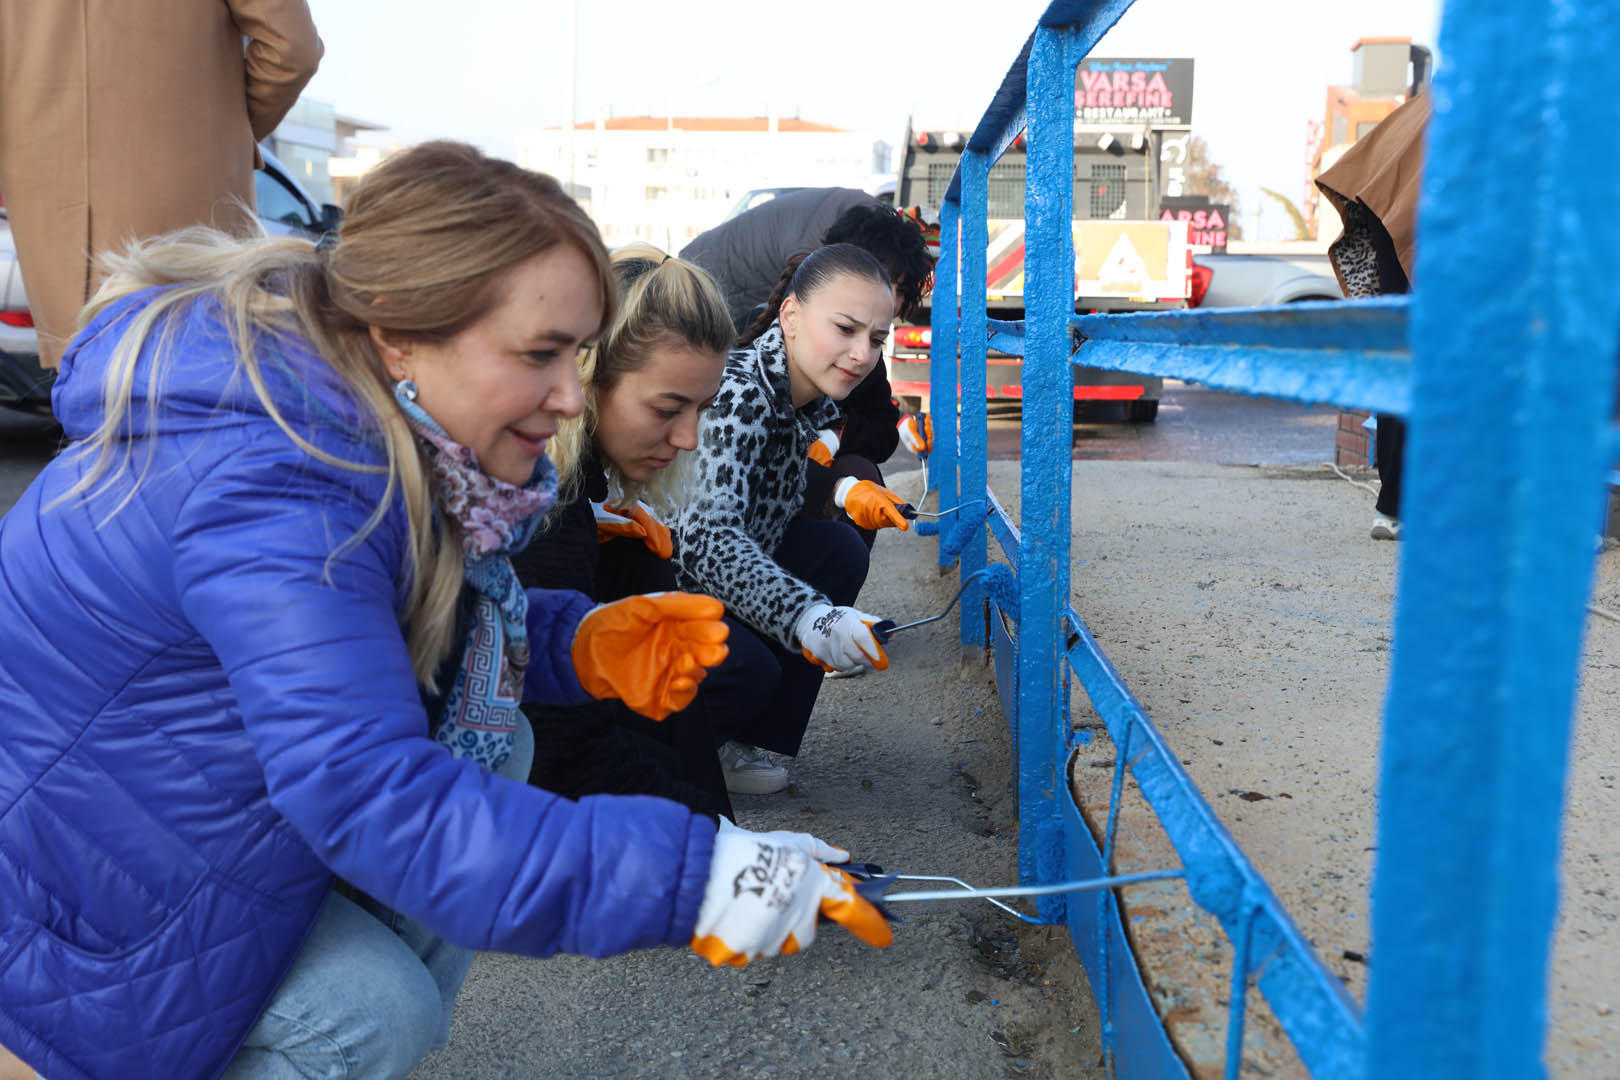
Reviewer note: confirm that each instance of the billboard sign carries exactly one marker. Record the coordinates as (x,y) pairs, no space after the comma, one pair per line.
(1157,93)
(1206,221)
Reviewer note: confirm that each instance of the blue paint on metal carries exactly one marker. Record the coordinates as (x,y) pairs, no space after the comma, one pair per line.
(1237,1003)
(1043,570)
(942,364)
(1137,1042)
(1011,343)
(1308,1000)
(1351,353)
(1515,330)
(975,424)
(1495,568)
(1004,530)
(1006,668)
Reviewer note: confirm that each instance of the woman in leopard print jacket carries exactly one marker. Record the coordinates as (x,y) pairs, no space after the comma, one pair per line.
(741,538)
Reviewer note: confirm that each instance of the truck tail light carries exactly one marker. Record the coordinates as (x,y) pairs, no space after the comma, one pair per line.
(1201,277)
(914,337)
(21,318)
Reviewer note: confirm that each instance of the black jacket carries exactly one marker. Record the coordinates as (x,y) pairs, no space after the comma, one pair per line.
(603,747)
(746,255)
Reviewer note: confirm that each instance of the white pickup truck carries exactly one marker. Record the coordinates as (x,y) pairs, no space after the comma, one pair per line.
(1263,276)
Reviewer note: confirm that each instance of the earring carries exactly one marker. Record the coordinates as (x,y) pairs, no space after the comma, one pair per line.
(406,389)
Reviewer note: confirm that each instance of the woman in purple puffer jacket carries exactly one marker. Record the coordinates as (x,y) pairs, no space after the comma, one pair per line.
(259,630)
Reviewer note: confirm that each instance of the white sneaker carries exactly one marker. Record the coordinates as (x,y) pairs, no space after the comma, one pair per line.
(1385,527)
(749,771)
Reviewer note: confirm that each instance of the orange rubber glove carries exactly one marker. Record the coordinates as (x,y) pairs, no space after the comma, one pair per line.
(650,651)
(825,448)
(763,899)
(636,522)
(917,433)
(869,505)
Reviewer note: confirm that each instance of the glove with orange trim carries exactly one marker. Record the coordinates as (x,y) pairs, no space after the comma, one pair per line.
(917,433)
(636,522)
(763,899)
(839,638)
(650,651)
(825,448)
(869,505)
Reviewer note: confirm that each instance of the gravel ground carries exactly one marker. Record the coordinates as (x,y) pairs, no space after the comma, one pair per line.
(1250,613)
(908,768)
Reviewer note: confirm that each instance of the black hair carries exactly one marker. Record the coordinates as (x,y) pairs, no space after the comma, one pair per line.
(896,242)
(805,274)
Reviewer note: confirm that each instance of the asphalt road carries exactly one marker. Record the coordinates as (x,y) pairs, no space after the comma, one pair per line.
(1195,424)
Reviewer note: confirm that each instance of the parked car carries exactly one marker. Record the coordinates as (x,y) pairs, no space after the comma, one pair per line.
(1262,279)
(285,209)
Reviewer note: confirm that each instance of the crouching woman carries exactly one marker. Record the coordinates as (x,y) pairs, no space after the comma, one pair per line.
(260,628)
(742,538)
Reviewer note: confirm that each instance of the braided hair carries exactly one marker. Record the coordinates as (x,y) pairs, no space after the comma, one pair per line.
(805,273)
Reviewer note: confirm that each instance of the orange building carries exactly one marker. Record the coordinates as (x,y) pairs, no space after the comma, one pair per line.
(1384,72)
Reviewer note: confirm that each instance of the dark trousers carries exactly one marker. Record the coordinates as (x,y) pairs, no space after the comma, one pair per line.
(1389,446)
(861,469)
(763,694)
(606,748)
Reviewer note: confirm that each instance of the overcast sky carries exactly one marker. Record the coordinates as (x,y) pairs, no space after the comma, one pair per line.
(485,69)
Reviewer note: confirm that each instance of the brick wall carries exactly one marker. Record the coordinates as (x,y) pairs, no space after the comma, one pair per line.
(1350,440)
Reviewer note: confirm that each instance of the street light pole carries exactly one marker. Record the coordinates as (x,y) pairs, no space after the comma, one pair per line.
(573,86)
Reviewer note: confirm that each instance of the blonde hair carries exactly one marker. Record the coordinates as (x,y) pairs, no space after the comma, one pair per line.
(427,240)
(663,301)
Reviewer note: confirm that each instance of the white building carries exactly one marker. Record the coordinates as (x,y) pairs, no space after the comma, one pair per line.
(664,179)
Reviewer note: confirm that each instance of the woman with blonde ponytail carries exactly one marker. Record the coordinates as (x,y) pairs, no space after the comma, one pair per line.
(262,638)
(625,468)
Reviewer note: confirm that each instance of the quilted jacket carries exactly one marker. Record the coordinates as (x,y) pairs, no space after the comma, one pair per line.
(204,715)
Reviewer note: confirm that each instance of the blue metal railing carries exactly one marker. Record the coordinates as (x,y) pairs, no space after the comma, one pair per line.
(1504,361)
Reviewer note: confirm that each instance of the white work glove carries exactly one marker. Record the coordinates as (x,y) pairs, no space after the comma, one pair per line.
(817,849)
(917,432)
(763,899)
(825,448)
(839,638)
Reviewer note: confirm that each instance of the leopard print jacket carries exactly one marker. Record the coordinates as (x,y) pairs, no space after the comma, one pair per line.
(750,484)
(1354,255)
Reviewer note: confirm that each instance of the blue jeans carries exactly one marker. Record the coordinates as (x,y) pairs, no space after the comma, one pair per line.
(369,994)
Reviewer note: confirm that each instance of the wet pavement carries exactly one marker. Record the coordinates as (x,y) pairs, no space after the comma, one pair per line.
(1195,424)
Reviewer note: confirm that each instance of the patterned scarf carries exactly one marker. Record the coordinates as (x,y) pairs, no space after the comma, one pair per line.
(479,718)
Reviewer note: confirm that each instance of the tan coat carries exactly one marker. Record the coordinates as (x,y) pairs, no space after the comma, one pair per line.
(1384,173)
(122,119)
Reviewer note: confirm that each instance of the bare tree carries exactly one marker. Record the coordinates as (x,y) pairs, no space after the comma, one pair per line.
(1204,178)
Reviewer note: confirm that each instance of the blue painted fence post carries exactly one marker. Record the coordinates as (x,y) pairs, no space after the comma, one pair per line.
(972,348)
(1515,330)
(942,376)
(1044,489)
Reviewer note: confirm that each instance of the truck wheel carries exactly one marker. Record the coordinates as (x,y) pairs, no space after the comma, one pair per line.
(1142,412)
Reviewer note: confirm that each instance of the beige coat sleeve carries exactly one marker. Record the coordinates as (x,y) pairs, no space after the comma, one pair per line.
(282,55)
